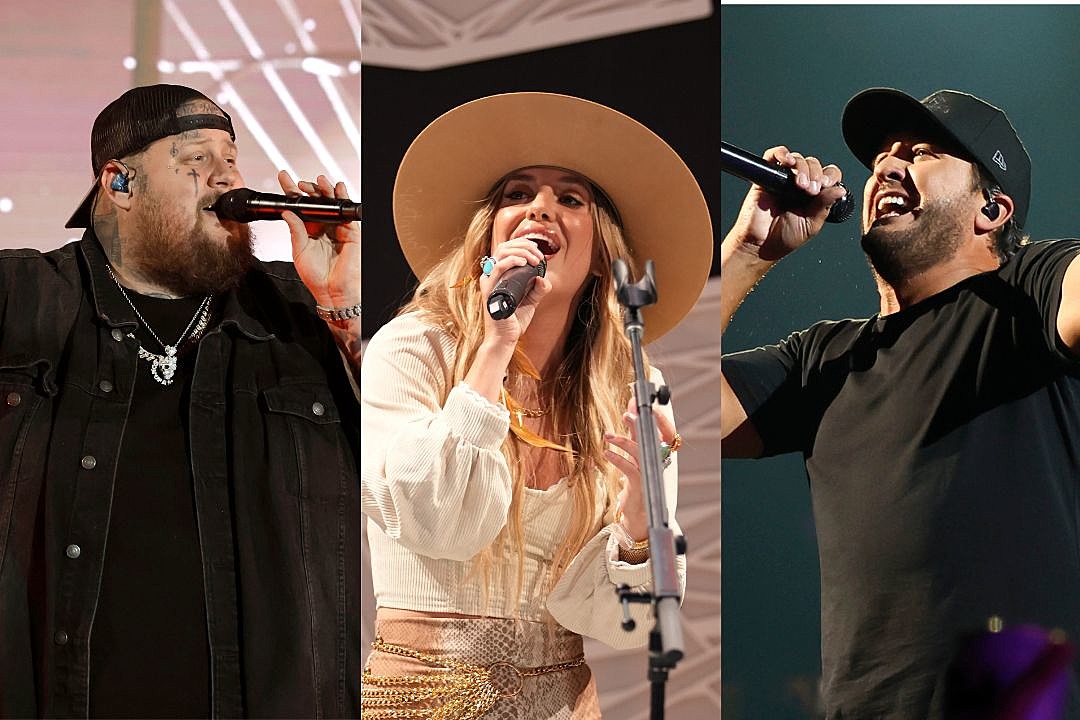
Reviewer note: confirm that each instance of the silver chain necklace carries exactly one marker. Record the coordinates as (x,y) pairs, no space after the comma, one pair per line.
(163,367)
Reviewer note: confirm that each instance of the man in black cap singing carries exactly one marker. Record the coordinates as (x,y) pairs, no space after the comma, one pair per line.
(942,435)
(179,515)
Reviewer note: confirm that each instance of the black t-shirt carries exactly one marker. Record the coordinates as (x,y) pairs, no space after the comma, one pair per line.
(149,653)
(942,444)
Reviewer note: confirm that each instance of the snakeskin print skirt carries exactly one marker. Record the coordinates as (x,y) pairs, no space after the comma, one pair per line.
(487,668)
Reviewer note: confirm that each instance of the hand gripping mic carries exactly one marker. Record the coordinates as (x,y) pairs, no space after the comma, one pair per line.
(246,205)
(777,181)
(511,288)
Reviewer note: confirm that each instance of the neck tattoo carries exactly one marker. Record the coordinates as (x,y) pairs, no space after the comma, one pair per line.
(163,367)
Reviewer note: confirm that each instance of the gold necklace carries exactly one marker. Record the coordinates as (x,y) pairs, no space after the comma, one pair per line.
(518,409)
(518,413)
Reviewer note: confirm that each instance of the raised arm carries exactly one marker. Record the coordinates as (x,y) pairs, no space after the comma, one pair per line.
(763,234)
(1068,318)
(433,476)
(327,258)
(584,600)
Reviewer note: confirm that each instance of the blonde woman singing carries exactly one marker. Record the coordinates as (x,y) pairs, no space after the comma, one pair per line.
(500,475)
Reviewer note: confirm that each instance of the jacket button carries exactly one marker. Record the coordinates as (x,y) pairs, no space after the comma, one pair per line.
(60,637)
(105,386)
(89,462)
(318,409)
(73,551)
(117,334)
(14,399)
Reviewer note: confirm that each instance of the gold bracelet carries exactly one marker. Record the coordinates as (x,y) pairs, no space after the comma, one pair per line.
(636,554)
(632,551)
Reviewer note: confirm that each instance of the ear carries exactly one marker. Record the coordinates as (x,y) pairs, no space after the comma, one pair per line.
(984,224)
(109,174)
(596,263)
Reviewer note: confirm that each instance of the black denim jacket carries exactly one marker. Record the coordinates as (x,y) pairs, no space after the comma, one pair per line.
(275,445)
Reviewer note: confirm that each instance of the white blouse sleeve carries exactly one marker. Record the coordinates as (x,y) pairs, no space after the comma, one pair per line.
(433,477)
(584,600)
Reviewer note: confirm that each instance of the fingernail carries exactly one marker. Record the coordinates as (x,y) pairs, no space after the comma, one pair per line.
(815,186)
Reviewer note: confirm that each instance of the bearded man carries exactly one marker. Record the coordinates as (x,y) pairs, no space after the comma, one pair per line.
(179,516)
(941,435)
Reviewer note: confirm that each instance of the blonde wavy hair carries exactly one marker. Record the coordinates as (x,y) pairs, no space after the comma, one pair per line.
(587,392)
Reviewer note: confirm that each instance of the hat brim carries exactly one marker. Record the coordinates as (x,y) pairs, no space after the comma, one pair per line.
(83,215)
(453,164)
(873,115)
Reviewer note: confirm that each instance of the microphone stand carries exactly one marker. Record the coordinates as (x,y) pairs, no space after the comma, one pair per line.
(666,637)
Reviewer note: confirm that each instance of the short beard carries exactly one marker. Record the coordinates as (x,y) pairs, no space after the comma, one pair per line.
(191,263)
(900,254)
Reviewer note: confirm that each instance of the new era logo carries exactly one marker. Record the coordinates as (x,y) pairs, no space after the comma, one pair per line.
(999,160)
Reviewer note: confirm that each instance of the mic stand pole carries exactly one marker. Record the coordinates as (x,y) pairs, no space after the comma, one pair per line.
(665,638)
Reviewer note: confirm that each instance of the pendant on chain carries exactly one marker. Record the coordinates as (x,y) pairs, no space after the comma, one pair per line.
(163,368)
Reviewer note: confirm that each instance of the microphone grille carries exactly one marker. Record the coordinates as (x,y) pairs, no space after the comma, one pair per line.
(842,209)
(233,204)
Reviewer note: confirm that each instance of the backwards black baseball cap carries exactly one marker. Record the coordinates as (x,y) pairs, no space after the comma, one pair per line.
(976,126)
(139,117)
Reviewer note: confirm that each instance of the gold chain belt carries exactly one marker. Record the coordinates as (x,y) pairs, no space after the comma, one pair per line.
(463,691)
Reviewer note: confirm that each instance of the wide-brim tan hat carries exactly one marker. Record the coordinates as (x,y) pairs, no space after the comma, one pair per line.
(453,164)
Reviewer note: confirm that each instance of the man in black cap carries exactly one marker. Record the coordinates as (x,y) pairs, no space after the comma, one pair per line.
(941,436)
(179,515)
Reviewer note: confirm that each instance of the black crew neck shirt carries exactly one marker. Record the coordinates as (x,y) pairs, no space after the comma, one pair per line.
(149,653)
(942,445)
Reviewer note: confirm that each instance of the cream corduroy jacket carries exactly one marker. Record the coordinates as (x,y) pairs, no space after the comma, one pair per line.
(436,490)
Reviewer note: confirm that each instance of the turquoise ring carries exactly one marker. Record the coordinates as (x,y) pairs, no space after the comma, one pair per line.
(487,265)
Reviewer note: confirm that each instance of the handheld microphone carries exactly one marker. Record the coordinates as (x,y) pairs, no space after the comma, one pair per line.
(246,205)
(777,181)
(511,288)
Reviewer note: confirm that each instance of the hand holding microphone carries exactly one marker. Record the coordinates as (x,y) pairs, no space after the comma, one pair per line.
(793,196)
(514,287)
(793,186)
(326,250)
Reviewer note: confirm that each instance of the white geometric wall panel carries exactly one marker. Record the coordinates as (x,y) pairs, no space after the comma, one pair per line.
(428,34)
(690,358)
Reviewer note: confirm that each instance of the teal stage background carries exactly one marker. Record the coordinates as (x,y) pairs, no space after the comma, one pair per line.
(786,72)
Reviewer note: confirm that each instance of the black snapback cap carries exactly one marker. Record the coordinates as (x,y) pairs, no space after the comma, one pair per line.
(979,128)
(137,118)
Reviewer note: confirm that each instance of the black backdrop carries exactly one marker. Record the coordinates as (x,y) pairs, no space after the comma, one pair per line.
(666,78)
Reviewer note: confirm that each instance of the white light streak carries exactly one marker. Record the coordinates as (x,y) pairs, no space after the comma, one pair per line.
(242,29)
(353,19)
(318,66)
(240,109)
(130,63)
(6,205)
(309,24)
(166,66)
(347,118)
(286,98)
(211,67)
